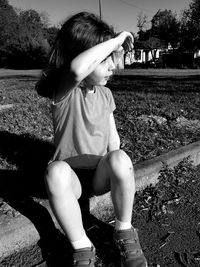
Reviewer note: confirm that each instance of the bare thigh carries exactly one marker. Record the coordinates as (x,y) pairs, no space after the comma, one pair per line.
(76,185)
(60,176)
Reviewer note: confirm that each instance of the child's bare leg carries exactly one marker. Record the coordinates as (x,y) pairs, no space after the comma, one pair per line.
(64,189)
(122,185)
(115,172)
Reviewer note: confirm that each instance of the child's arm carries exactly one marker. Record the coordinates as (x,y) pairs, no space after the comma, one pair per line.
(81,66)
(114,140)
(86,62)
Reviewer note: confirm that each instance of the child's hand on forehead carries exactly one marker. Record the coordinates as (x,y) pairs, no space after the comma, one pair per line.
(125,40)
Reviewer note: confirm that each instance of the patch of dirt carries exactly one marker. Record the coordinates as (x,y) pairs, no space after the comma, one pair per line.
(168,218)
(6,106)
(151,118)
(191,124)
(181,121)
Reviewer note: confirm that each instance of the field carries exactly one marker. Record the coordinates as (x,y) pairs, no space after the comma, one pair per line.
(153,116)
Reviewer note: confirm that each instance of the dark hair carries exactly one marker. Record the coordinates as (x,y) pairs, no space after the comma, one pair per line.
(79,33)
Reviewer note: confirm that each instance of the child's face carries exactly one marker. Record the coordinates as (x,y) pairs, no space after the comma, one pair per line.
(102,73)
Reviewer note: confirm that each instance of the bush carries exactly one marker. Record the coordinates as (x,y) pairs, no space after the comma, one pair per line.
(17,58)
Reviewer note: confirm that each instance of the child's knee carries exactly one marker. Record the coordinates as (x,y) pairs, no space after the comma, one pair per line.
(120,163)
(119,159)
(58,177)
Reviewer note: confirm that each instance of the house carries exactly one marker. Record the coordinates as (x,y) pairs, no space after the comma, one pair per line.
(145,51)
(155,52)
(197,54)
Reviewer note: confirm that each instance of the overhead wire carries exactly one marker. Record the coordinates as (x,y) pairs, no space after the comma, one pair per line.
(140,8)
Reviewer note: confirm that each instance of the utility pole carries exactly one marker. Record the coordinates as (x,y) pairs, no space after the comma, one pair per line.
(100,9)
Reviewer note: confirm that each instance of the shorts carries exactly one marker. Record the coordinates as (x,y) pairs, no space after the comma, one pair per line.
(86,179)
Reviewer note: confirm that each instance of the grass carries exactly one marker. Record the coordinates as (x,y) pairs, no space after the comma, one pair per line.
(149,73)
(29,118)
(148,112)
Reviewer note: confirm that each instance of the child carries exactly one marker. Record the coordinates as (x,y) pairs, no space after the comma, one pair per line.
(87,145)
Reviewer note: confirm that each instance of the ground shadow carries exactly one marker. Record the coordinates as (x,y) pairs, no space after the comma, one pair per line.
(29,156)
(187,84)
(21,186)
(20,77)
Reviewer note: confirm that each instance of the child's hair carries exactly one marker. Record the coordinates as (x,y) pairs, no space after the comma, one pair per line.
(79,33)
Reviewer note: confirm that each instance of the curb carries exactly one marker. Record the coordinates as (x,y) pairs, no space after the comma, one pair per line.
(146,173)
(19,232)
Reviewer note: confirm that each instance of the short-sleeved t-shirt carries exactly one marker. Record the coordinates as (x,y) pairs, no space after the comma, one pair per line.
(81,126)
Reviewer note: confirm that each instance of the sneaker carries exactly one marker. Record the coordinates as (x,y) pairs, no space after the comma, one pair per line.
(128,245)
(84,257)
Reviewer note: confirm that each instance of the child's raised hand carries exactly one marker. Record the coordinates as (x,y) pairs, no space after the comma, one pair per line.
(125,39)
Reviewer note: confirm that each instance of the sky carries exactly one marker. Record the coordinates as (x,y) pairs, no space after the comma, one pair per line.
(121,14)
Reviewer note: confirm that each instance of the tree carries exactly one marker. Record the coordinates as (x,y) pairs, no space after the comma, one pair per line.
(25,37)
(44,17)
(33,27)
(31,20)
(143,25)
(35,47)
(8,27)
(8,20)
(142,22)
(22,40)
(166,26)
(50,34)
(190,27)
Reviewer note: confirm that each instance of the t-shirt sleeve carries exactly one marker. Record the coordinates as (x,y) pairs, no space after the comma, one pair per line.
(112,105)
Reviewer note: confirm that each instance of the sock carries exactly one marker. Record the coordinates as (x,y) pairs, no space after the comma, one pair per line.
(122,225)
(84,242)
